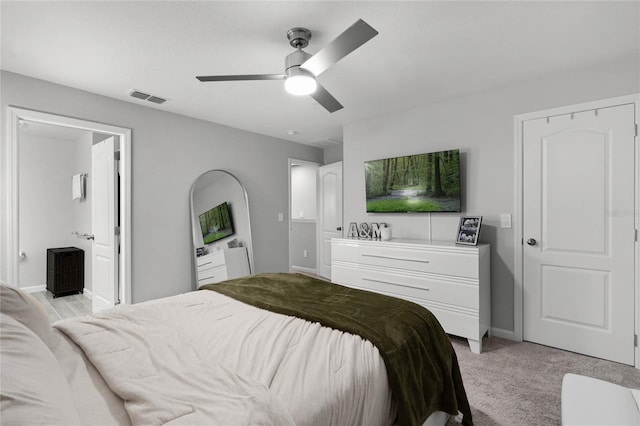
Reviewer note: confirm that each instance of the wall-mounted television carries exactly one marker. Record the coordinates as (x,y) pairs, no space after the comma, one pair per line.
(427,182)
(216,223)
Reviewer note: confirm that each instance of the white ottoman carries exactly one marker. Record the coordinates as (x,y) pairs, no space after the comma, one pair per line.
(589,401)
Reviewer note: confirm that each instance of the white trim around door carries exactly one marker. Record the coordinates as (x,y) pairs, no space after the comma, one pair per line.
(10,249)
(519,120)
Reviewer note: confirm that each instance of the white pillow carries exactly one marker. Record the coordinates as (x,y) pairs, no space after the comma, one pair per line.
(25,309)
(33,390)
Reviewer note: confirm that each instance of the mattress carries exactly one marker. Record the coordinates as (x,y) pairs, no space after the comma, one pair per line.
(321,376)
(195,358)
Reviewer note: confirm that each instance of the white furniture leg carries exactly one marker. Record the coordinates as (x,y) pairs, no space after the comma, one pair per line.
(475,345)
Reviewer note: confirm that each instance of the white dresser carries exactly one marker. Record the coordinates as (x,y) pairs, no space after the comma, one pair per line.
(450,280)
(222,265)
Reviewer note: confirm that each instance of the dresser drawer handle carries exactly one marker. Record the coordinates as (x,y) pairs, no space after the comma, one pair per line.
(394,258)
(392,283)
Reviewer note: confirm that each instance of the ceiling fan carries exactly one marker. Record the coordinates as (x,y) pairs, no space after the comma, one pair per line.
(301,68)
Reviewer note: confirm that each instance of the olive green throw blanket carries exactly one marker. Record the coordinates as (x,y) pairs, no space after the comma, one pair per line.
(421,364)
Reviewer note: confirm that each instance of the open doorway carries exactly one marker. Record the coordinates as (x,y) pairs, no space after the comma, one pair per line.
(94,132)
(302,216)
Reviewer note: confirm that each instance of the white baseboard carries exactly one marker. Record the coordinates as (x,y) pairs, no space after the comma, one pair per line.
(34,288)
(87,293)
(504,334)
(304,270)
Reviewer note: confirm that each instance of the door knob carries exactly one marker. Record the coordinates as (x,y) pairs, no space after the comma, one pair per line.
(339,228)
(531,242)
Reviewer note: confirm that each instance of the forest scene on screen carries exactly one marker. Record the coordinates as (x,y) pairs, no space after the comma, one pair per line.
(216,223)
(414,183)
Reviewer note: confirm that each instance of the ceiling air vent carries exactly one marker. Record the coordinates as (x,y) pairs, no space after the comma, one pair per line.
(156,100)
(139,95)
(147,97)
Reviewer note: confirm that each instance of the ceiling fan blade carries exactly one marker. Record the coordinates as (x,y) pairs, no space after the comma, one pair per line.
(325,99)
(205,78)
(352,38)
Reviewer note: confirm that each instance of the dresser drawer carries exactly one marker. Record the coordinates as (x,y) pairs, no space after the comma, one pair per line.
(211,260)
(410,259)
(212,275)
(410,287)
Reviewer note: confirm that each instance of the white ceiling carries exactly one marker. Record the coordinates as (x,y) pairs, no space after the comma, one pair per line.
(426,51)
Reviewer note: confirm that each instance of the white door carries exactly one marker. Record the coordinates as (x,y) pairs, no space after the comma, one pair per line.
(104,214)
(329,213)
(578,229)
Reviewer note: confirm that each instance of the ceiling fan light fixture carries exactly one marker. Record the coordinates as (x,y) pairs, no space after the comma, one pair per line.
(302,68)
(300,82)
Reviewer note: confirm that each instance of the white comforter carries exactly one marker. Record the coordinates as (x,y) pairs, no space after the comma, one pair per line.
(204,358)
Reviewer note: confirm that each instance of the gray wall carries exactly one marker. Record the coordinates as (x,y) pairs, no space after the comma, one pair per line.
(82,219)
(303,237)
(169,151)
(333,154)
(482,126)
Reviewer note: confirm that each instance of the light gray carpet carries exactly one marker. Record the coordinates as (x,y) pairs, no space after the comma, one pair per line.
(518,383)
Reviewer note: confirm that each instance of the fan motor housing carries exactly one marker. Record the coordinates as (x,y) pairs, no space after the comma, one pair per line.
(295,59)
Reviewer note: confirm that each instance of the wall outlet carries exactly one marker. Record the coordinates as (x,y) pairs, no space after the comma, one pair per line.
(280,217)
(505,220)
(305,253)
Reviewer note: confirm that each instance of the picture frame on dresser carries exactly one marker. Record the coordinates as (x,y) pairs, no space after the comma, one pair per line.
(469,230)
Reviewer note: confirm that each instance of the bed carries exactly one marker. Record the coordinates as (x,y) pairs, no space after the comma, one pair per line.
(270,349)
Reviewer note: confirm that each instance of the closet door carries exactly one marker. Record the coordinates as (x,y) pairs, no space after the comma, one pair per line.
(579,232)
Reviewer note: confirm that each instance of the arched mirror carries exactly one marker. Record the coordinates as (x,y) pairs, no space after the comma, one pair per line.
(221,228)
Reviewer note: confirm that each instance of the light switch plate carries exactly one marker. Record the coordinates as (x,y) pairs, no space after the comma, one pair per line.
(280,217)
(505,220)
